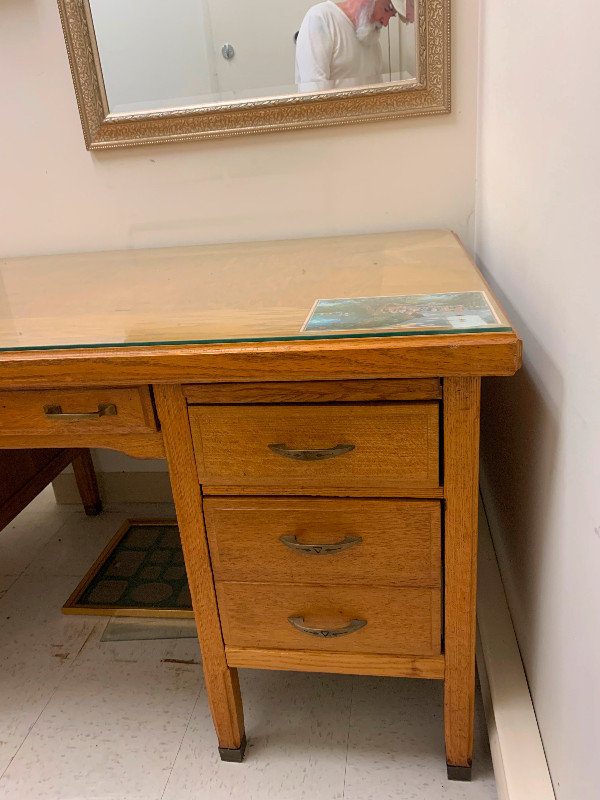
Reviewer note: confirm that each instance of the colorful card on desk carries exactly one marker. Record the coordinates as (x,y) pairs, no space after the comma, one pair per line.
(453,310)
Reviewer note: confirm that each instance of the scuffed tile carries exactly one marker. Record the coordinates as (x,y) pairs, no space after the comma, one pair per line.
(6,581)
(25,537)
(112,729)
(396,745)
(297,728)
(76,546)
(38,644)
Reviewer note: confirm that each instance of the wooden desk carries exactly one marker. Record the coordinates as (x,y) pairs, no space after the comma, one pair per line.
(325,482)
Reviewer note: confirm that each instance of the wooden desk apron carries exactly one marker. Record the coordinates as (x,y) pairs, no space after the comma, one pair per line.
(325,488)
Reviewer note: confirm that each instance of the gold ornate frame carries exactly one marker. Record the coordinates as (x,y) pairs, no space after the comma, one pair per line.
(428,94)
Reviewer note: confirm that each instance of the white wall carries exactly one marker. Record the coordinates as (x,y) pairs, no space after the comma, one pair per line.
(537,240)
(152,52)
(262,34)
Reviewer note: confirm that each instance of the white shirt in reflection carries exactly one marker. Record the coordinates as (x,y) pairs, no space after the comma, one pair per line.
(330,56)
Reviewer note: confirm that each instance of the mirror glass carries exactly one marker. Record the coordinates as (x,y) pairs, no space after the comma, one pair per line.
(158,55)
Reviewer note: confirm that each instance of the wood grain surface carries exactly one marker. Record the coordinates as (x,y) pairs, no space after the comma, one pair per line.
(325,491)
(400,540)
(343,359)
(222,684)
(394,444)
(461,467)
(345,663)
(87,485)
(399,621)
(23,412)
(137,445)
(242,291)
(314,391)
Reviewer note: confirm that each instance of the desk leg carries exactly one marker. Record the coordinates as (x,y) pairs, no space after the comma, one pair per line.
(222,684)
(461,479)
(85,477)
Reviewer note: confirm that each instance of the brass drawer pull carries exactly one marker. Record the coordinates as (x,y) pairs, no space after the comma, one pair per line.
(320,549)
(311,455)
(327,633)
(104,410)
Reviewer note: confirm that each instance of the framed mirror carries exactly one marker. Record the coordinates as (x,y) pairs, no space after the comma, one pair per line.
(148,71)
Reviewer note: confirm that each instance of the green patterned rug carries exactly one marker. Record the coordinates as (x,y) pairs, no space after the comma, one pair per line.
(139,573)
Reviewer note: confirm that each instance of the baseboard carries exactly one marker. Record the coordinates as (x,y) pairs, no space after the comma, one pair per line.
(118,487)
(520,766)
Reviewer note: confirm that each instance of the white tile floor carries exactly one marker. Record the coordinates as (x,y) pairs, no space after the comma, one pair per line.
(82,719)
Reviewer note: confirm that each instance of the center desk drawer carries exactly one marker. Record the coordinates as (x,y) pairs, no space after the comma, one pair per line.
(341,541)
(299,446)
(102,410)
(336,618)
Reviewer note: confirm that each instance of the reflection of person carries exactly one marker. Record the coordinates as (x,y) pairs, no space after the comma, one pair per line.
(338,43)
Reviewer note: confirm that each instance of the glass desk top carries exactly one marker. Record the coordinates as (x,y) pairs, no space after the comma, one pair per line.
(393,284)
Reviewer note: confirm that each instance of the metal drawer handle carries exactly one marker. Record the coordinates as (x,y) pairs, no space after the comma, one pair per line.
(320,549)
(311,455)
(56,413)
(327,633)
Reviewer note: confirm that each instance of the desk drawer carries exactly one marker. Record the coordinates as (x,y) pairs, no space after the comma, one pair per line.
(358,446)
(77,411)
(371,542)
(398,621)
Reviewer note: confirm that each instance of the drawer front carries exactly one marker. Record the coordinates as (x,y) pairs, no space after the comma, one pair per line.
(78,411)
(391,445)
(398,621)
(370,542)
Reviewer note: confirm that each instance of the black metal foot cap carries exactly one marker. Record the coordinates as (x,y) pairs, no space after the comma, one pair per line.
(94,510)
(458,773)
(235,755)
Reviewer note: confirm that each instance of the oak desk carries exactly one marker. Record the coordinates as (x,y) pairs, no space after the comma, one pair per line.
(325,479)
